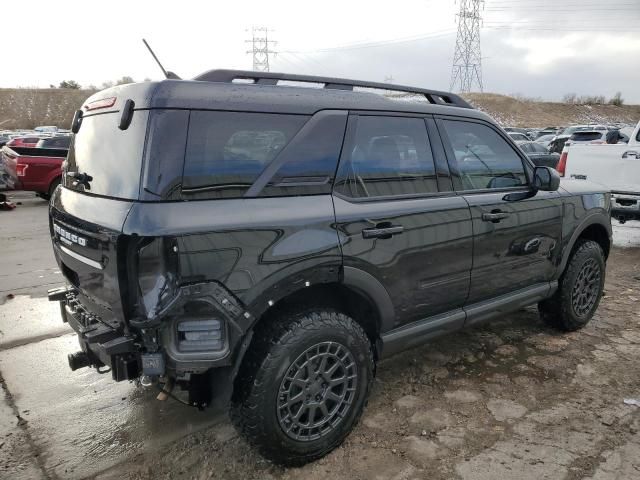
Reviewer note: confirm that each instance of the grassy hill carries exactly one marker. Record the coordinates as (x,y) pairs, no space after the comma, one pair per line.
(514,112)
(27,108)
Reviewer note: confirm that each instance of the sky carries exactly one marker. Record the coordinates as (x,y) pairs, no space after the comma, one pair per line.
(534,48)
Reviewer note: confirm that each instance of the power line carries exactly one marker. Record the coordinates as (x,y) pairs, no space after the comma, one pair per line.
(260,44)
(375,44)
(466,71)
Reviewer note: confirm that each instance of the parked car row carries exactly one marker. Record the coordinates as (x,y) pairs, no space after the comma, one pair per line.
(32,160)
(543,146)
(614,166)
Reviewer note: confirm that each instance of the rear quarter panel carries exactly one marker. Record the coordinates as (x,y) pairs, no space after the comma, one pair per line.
(261,249)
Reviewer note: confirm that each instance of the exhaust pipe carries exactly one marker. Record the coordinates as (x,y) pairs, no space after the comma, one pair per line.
(622,219)
(78,360)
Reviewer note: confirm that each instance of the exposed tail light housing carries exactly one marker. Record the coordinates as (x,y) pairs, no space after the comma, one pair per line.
(562,163)
(203,334)
(21,169)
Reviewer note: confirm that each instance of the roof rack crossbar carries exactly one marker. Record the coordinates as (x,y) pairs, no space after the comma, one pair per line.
(271,78)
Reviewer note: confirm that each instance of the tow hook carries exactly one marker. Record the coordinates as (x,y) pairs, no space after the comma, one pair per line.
(78,360)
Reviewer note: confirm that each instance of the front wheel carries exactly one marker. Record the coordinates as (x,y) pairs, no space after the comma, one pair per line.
(303,386)
(579,291)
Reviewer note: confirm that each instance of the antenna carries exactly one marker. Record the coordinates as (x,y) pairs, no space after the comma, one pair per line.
(167,74)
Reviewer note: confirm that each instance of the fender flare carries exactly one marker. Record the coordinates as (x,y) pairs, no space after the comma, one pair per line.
(597,218)
(366,284)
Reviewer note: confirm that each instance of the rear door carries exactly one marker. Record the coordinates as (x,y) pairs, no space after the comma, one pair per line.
(398,218)
(515,242)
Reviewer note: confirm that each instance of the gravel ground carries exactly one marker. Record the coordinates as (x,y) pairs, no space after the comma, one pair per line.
(510,400)
(514,399)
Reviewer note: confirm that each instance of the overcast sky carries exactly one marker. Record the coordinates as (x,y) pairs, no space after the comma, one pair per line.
(537,48)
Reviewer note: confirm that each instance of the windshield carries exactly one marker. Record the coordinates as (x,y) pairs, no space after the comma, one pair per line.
(111,157)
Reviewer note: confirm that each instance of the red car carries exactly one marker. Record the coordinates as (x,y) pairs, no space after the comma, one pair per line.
(23,142)
(32,169)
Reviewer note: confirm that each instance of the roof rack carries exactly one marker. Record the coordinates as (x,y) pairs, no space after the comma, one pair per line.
(271,78)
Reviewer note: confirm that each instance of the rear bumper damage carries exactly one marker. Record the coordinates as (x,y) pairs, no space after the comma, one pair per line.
(202,328)
(101,344)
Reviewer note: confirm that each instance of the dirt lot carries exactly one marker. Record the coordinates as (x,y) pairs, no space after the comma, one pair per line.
(510,400)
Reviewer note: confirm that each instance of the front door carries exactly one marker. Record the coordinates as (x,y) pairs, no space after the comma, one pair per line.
(396,223)
(516,239)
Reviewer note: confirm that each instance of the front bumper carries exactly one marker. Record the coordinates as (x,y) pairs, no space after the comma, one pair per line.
(104,345)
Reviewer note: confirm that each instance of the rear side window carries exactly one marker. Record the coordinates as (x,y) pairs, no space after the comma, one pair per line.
(389,156)
(484,159)
(227,151)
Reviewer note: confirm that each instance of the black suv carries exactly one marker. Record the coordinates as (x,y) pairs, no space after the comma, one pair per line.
(252,239)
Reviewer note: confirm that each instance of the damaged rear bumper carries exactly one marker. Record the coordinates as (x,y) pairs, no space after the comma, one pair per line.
(202,328)
(102,345)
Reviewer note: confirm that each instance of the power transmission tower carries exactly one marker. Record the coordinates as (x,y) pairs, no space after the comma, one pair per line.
(466,72)
(260,44)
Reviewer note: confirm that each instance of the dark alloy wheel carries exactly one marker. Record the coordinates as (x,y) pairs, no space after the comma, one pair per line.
(586,288)
(316,391)
(303,385)
(579,289)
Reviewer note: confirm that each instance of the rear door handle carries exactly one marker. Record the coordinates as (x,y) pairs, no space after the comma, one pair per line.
(494,217)
(631,153)
(382,232)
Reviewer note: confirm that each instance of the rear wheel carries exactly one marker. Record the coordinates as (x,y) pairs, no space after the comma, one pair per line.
(579,291)
(303,386)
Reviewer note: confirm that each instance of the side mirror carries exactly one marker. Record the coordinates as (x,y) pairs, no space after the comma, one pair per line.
(546,179)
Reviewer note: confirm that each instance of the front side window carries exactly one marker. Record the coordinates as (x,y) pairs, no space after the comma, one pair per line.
(389,156)
(484,159)
(227,151)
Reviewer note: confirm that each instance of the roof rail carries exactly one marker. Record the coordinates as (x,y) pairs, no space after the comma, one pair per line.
(271,78)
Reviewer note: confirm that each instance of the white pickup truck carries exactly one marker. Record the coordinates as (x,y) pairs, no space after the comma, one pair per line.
(615,166)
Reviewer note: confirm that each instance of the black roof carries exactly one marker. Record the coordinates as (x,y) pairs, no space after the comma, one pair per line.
(216,90)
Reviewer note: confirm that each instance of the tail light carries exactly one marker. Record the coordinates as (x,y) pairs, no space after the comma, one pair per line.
(562,163)
(21,169)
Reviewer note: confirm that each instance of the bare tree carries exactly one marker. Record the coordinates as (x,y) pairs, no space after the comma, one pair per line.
(69,84)
(124,80)
(617,99)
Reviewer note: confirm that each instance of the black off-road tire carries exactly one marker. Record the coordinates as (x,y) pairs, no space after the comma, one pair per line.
(564,310)
(277,350)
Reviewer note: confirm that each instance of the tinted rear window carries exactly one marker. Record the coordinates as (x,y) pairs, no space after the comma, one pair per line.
(112,157)
(227,151)
(586,136)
